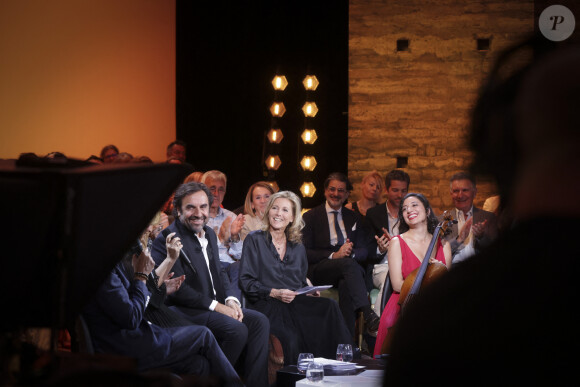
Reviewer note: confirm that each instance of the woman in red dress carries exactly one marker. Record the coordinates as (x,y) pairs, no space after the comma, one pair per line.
(406,252)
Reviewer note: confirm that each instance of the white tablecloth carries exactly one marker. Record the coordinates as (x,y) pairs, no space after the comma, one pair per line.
(367,378)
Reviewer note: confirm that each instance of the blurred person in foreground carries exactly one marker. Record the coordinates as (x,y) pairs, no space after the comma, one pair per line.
(508,315)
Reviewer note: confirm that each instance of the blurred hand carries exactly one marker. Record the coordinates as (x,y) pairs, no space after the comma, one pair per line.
(143,263)
(173,284)
(174,246)
(284,295)
(479,228)
(464,232)
(237,225)
(344,251)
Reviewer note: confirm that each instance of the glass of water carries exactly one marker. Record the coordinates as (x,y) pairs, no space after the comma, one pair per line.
(304,359)
(315,372)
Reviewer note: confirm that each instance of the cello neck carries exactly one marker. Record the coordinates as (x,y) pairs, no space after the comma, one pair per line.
(423,268)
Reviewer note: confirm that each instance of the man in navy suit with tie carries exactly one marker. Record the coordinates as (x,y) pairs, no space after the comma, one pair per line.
(207,297)
(335,244)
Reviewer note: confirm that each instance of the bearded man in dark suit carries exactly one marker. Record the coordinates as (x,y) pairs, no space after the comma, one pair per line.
(336,242)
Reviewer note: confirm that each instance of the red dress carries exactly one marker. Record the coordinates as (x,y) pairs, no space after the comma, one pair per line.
(391,312)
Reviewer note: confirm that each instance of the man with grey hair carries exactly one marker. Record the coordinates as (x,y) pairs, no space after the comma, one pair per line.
(475,228)
(226,225)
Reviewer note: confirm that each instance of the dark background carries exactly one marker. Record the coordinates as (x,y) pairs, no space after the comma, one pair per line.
(227,55)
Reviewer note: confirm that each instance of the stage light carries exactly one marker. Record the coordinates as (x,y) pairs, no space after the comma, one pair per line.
(308,163)
(309,136)
(273,162)
(277,109)
(307,189)
(275,136)
(310,82)
(279,82)
(310,109)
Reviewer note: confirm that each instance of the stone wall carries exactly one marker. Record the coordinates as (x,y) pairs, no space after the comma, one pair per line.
(416,103)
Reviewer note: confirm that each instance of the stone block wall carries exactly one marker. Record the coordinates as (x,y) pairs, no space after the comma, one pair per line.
(416,103)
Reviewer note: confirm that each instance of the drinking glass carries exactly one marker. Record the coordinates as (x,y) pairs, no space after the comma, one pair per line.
(344,352)
(347,353)
(339,352)
(315,372)
(304,359)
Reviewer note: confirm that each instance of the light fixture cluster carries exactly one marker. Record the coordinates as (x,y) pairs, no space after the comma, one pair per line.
(274,135)
(309,136)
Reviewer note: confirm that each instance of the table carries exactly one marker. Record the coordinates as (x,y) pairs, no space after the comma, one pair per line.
(367,378)
(289,376)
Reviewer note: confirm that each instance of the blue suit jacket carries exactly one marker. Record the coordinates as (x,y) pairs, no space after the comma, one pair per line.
(115,320)
(316,234)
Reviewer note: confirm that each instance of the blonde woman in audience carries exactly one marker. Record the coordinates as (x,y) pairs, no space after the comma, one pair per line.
(371,188)
(255,205)
(195,176)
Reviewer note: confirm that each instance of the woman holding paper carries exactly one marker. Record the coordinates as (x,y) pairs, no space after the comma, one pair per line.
(273,268)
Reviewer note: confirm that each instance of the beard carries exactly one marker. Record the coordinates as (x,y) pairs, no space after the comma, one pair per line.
(188,222)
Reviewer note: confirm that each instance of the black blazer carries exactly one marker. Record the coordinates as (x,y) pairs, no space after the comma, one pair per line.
(196,292)
(376,218)
(316,234)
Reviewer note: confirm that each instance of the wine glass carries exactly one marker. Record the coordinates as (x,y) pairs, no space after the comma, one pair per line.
(339,352)
(304,359)
(315,372)
(347,353)
(344,352)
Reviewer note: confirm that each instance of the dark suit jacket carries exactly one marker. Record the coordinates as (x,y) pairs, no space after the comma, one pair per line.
(196,293)
(115,319)
(316,235)
(376,218)
(488,236)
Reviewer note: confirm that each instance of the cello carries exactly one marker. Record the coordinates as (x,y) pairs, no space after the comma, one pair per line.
(425,273)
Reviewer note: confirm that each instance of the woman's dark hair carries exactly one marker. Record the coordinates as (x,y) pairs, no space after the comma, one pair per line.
(431,218)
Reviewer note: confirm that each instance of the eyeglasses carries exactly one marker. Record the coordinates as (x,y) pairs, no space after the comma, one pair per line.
(334,189)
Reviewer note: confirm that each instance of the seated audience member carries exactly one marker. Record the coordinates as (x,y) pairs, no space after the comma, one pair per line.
(226,225)
(94,160)
(371,189)
(194,176)
(109,153)
(207,297)
(406,252)
(383,222)
(475,228)
(177,150)
(142,160)
(123,158)
(335,243)
(115,318)
(256,201)
(508,314)
(273,266)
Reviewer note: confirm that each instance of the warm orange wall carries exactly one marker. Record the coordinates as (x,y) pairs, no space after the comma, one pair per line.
(76,75)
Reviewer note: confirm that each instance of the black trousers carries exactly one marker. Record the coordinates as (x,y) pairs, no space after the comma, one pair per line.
(348,276)
(251,335)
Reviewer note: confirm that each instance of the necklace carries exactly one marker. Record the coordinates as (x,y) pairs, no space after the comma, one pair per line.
(279,245)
